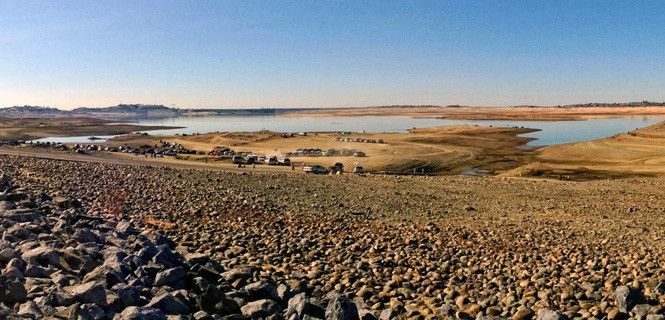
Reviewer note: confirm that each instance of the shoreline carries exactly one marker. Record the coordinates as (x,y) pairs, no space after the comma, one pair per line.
(39,128)
(439,150)
(487,113)
(444,150)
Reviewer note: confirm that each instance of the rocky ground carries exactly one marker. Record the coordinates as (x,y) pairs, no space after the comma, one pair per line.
(59,262)
(396,247)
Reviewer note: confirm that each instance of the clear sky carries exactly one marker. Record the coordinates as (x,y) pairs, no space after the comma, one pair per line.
(330,53)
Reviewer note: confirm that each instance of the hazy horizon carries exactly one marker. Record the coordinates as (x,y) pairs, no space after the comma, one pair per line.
(254,54)
(330,107)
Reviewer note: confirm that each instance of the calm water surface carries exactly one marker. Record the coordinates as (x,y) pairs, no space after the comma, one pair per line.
(553,132)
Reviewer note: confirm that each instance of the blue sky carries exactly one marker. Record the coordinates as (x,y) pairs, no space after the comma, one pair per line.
(330,53)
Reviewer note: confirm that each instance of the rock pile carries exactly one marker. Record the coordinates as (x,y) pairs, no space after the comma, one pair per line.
(58,262)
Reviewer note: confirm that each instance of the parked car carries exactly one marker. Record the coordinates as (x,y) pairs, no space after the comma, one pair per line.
(237,159)
(272,161)
(251,158)
(337,167)
(358,170)
(315,169)
(285,161)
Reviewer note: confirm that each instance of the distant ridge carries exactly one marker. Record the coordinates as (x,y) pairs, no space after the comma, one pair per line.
(607,105)
(127,108)
(29,111)
(128,112)
(584,105)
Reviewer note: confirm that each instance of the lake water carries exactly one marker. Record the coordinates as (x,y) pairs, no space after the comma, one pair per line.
(553,132)
(74,139)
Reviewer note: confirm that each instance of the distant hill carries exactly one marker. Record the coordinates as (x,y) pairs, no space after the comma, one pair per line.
(405,106)
(138,108)
(31,111)
(586,105)
(616,105)
(128,112)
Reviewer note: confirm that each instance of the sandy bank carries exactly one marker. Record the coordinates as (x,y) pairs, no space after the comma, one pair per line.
(637,153)
(489,113)
(445,150)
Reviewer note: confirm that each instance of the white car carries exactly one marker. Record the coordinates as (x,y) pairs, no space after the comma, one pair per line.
(272,161)
(316,169)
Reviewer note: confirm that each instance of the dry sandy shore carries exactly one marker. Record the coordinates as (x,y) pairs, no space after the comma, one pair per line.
(424,247)
(640,152)
(443,150)
(446,150)
(489,113)
(32,128)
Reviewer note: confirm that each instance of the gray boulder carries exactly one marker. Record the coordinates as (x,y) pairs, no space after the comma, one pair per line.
(170,277)
(547,314)
(42,256)
(17,263)
(37,271)
(58,298)
(91,292)
(237,273)
(21,215)
(30,310)
(91,311)
(123,229)
(165,257)
(202,315)
(261,290)
(640,311)
(627,298)
(128,295)
(7,254)
(168,304)
(87,236)
(12,290)
(259,309)
(5,182)
(296,305)
(341,308)
(140,313)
